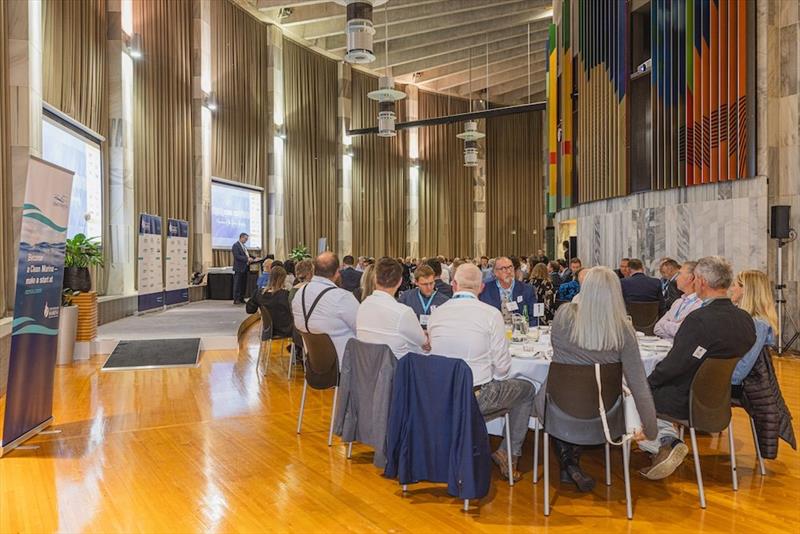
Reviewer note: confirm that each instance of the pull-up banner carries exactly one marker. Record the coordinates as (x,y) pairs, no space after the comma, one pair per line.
(151,276)
(176,262)
(26,402)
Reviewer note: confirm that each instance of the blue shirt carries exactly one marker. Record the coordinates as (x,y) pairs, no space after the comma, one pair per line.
(568,290)
(506,292)
(263,280)
(764,336)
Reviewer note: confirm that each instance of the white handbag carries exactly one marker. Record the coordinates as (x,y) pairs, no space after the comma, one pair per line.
(633,422)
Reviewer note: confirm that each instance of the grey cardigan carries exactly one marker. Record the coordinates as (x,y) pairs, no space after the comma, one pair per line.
(365,392)
(566,351)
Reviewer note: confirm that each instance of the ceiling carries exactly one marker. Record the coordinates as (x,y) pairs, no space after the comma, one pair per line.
(433,42)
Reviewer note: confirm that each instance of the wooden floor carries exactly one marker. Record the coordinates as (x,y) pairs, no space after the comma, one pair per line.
(213,450)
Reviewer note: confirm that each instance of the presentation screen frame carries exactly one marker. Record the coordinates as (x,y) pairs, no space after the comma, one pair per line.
(243,188)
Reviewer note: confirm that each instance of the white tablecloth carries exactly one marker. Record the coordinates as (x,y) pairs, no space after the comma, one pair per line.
(533,365)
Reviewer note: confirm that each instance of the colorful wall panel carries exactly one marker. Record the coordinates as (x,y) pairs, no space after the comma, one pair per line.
(699,88)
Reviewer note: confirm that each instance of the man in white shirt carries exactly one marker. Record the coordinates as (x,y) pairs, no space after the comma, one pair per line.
(668,325)
(383,320)
(335,310)
(466,328)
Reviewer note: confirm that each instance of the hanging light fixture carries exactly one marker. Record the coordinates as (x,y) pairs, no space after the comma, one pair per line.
(470,135)
(386,95)
(359,29)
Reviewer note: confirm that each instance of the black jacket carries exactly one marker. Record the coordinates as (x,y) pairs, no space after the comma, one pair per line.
(763,400)
(669,296)
(443,288)
(240,258)
(277,304)
(717,330)
(351,278)
(639,287)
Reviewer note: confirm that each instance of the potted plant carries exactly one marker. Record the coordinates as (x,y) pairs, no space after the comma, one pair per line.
(67,327)
(299,253)
(82,252)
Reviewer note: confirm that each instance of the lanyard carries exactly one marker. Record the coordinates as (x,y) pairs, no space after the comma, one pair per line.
(460,295)
(426,306)
(509,293)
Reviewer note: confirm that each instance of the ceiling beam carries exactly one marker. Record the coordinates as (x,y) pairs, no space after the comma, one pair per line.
(273,4)
(445,10)
(517,83)
(479,84)
(440,44)
(509,15)
(331,10)
(516,95)
(511,63)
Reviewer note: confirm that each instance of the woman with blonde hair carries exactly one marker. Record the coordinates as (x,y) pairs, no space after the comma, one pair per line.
(752,292)
(367,283)
(596,330)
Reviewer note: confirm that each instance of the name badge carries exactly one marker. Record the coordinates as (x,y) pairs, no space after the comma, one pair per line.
(699,352)
(512,306)
(538,309)
(519,298)
(423,320)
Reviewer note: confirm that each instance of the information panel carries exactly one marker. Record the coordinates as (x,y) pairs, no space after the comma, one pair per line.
(149,263)
(176,262)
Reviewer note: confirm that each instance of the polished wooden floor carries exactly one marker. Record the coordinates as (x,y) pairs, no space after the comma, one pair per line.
(213,450)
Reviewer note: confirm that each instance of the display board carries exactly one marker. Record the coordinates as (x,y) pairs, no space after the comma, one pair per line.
(235,209)
(26,404)
(149,263)
(176,262)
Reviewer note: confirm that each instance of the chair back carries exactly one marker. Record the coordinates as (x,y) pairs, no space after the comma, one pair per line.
(644,315)
(572,410)
(266,323)
(710,395)
(321,361)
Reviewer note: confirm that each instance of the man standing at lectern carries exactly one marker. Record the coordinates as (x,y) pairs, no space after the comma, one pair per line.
(241,264)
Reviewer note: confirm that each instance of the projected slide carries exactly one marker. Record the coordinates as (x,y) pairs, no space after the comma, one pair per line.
(234,210)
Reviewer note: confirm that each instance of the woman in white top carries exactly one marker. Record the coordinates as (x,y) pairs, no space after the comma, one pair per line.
(668,325)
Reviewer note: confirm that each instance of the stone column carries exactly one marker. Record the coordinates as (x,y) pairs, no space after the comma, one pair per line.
(201,121)
(778,150)
(412,198)
(479,191)
(122,219)
(25,98)
(276,236)
(344,162)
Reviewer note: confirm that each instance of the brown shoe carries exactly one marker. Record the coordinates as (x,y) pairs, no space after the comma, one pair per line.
(666,461)
(501,459)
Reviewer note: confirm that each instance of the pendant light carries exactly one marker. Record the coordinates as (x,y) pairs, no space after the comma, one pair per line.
(470,135)
(386,95)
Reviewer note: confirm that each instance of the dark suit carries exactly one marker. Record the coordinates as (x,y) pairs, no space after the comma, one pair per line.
(351,278)
(566,275)
(522,294)
(241,263)
(669,294)
(721,329)
(555,279)
(443,288)
(639,287)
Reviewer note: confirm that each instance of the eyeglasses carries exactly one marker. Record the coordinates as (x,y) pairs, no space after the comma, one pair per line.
(506,268)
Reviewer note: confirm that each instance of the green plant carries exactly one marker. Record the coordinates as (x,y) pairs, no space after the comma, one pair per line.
(83,251)
(299,253)
(67,296)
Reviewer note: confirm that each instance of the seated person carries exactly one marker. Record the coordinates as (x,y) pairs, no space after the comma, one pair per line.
(670,292)
(303,272)
(263,278)
(349,277)
(623,271)
(466,328)
(275,299)
(553,268)
(383,320)
(539,280)
(569,290)
(668,325)
(752,292)
(441,285)
(596,330)
(367,283)
(508,295)
(424,298)
(638,287)
(563,271)
(717,329)
(322,307)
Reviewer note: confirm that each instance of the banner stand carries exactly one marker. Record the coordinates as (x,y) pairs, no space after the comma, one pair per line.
(149,265)
(25,437)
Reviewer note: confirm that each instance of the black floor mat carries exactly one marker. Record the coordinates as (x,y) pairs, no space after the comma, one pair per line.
(154,353)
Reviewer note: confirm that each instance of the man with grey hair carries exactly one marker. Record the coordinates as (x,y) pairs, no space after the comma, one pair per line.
(466,328)
(717,329)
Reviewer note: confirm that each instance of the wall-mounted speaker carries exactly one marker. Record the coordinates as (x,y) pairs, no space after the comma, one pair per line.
(779,222)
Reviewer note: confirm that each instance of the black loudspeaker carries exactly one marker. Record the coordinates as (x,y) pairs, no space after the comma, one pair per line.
(779,222)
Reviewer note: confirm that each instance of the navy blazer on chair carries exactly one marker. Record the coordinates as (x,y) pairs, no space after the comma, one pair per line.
(522,294)
(240,258)
(639,287)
